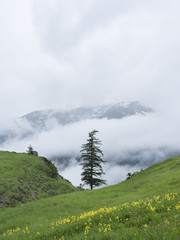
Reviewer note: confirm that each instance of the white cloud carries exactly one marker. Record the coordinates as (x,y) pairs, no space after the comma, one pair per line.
(66,53)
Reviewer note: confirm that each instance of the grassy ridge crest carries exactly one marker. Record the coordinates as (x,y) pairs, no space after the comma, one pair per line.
(26,177)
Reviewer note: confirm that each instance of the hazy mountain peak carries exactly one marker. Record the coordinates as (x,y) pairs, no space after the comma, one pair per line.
(39,119)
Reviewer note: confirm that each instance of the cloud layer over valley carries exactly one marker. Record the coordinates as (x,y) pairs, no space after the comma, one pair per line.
(128,144)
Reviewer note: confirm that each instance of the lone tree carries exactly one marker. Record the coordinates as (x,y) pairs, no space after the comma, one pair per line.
(31,150)
(92,159)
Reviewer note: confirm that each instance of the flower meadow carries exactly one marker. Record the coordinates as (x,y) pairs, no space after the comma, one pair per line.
(156,218)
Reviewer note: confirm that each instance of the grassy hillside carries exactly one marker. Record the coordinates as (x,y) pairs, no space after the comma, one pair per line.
(114,212)
(25,177)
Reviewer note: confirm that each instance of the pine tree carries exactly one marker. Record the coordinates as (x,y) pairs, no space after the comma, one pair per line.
(30,150)
(92,159)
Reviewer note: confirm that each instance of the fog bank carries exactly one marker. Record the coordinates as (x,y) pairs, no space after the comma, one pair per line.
(128,144)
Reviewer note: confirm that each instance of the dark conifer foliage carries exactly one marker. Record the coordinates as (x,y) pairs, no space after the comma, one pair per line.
(92,160)
(31,150)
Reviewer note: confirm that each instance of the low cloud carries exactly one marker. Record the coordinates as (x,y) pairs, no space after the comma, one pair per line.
(128,144)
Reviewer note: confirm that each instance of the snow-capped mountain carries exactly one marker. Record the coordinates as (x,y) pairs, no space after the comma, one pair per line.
(42,120)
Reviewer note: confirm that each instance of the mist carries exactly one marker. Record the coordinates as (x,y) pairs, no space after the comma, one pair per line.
(129,144)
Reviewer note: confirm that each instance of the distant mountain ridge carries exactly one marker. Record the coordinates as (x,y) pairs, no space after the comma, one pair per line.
(45,120)
(40,119)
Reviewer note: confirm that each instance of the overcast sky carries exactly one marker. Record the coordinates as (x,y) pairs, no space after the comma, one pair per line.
(66,53)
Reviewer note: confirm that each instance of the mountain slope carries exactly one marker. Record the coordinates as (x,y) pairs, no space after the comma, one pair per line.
(40,119)
(25,177)
(161,223)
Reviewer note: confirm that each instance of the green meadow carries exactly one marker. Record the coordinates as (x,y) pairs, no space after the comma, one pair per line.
(24,177)
(146,206)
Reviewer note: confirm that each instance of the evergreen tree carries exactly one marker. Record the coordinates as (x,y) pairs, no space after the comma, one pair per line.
(92,159)
(31,150)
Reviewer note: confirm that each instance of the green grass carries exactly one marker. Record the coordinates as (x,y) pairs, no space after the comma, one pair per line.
(143,223)
(24,177)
